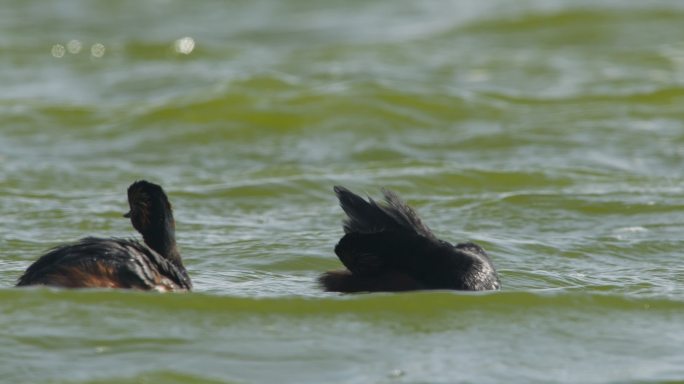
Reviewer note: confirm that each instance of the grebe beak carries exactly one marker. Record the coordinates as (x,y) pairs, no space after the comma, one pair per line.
(127,215)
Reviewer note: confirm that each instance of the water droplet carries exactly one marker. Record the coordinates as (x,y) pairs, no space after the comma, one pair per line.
(184,45)
(58,50)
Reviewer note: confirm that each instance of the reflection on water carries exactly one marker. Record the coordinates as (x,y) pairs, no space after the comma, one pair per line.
(184,45)
(97,50)
(74,47)
(58,51)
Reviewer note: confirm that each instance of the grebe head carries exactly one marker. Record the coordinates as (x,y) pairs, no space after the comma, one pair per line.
(152,216)
(150,208)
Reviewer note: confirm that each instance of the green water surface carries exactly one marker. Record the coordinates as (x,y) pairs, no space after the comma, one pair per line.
(549,132)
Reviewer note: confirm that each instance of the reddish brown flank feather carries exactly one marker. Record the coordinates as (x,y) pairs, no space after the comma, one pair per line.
(97,276)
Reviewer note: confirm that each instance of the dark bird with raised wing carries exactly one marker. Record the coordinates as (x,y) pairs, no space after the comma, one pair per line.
(387,247)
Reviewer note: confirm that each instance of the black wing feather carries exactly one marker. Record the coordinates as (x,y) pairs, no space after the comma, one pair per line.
(371,217)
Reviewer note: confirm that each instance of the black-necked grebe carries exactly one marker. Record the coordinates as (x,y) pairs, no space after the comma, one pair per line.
(386,247)
(119,263)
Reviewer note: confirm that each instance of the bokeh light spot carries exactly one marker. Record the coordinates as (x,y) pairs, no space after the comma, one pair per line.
(58,50)
(184,45)
(74,46)
(97,50)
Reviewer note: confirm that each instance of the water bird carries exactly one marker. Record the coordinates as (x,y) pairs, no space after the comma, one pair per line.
(387,247)
(94,262)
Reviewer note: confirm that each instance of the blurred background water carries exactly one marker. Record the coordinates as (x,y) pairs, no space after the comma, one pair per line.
(550,132)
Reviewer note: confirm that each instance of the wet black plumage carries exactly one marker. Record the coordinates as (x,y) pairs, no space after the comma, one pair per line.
(120,263)
(387,247)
